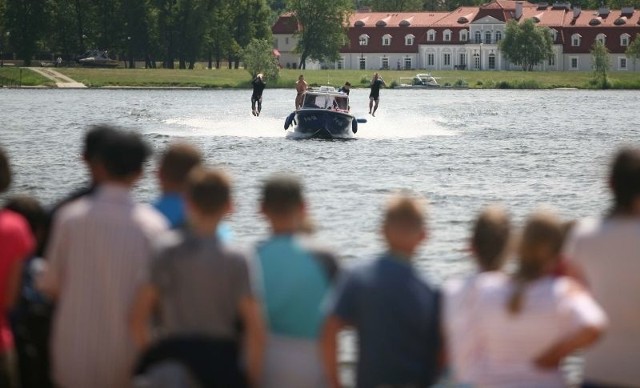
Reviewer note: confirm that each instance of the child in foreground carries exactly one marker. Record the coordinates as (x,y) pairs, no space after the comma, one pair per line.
(393,310)
(202,288)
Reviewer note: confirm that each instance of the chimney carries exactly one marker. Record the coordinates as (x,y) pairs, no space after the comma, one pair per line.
(518,14)
(576,11)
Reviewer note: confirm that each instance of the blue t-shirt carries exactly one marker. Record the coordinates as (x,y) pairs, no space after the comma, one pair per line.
(171,205)
(396,315)
(294,283)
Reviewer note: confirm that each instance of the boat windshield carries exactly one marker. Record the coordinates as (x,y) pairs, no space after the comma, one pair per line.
(326,101)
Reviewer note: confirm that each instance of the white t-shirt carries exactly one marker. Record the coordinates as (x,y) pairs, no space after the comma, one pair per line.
(506,345)
(608,252)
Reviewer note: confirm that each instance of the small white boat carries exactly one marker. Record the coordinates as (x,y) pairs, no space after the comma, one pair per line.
(419,81)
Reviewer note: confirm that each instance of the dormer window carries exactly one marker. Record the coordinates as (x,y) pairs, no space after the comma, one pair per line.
(576,39)
(386,40)
(446,35)
(431,35)
(601,38)
(624,40)
(359,23)
(409,39)
(363,40)
(464,35)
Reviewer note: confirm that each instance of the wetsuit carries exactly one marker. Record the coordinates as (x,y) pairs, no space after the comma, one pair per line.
(375,89)
(258,86)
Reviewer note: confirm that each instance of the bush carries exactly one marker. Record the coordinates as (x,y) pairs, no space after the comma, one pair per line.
(365,80)
(394,84)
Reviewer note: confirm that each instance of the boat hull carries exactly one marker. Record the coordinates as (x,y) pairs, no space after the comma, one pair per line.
(323,124)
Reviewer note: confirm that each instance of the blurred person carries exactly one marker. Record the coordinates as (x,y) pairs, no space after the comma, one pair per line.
(394,311)
(605,253)
(489,247)
(374,96)
(16,244)
(177,160)
(346,88)
(97,258)
(31,316)
(201,287)
(258,86)
(295,276)
(301,87)
(525,324)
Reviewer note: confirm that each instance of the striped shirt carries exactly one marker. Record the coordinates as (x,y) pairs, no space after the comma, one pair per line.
(99,254)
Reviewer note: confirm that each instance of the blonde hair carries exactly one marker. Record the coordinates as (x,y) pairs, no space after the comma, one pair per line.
(539,246)
(491,237)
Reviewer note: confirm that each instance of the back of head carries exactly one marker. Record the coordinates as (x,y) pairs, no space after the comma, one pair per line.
(539,249)
(95,139)
(177,161)
(347,83)
(5,171)
(625,179)
(405,211)
(208,190)
(124,154)
(282,194)
(491,236)
(31,210)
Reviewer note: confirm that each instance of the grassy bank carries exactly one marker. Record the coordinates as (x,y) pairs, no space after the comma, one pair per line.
(14,77)
(225,78)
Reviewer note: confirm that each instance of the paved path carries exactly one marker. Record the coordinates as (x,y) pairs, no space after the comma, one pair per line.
(61,80)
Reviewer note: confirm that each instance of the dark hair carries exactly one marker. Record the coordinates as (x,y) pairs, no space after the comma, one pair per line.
(543,229)
(625,179)
(208,190)
(282,193)
(491,234)
(95,138)
(124,154)
(32,211)
(347,83)
(177,161)
(5,171)
(405,210)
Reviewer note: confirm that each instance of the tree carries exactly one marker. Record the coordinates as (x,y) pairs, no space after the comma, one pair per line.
(526,44)
(633,51)
(396,5)
(600,60)
(258,58)
(324,28)
(26,22)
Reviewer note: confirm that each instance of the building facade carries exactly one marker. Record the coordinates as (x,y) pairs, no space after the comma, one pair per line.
(468,37)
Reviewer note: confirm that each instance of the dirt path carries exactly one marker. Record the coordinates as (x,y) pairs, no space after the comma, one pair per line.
(61,80)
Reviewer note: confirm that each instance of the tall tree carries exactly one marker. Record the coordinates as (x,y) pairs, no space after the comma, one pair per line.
(600,61)
(258,58)
(526,44)
(633,51)
(396,5)
(26,22)
(324,28)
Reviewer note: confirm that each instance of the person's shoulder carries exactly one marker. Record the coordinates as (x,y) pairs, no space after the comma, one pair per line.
(148,216)
(12,223)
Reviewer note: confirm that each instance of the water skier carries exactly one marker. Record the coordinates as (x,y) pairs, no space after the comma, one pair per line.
(376,83)
(258,86)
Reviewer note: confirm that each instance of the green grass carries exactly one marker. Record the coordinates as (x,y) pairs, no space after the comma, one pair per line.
(13,76)
(240,78)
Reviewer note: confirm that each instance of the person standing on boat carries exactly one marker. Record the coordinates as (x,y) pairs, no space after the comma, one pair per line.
(346,88)
(376,83)
(301,87)
(258,86)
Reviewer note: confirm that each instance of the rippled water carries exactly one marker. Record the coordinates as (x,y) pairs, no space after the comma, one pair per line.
(460,148)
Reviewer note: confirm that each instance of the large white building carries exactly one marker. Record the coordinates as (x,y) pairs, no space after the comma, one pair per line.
(467,38)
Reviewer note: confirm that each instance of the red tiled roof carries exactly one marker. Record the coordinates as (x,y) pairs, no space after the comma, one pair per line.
(454,18)
(286,24)
(415,19)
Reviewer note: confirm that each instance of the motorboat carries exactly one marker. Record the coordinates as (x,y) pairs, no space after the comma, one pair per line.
(97,58)
(419,81)
(324,115)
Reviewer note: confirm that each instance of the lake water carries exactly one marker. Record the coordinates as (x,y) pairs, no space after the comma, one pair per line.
(462,149)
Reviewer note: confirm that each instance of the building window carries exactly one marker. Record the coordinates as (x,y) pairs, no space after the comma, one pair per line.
(340,64)
(408,40)
(554,34)
(286,40)
(574,63)
(463,59)
(407,63)
(601,38)
(498,36)
(624,40)
(487,37)
(446,59)
(476,61)
(275,43)
(446,35)
(363,40)
(431,59)
(363,63)
(478,37)
(384,63)
(622,63)
(575,40)
(431,35)
(464,35)
(492,61)
(386,40)
(552,60)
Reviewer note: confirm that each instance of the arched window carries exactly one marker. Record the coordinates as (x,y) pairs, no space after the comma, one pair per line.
(487,37)
(498,36)
(386,40)
(624,40)
(602,38)
(576,40)
(409,39)
(363,40)
(464,35)
(478,37)
(554,34)
(446,35)
(431,35)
